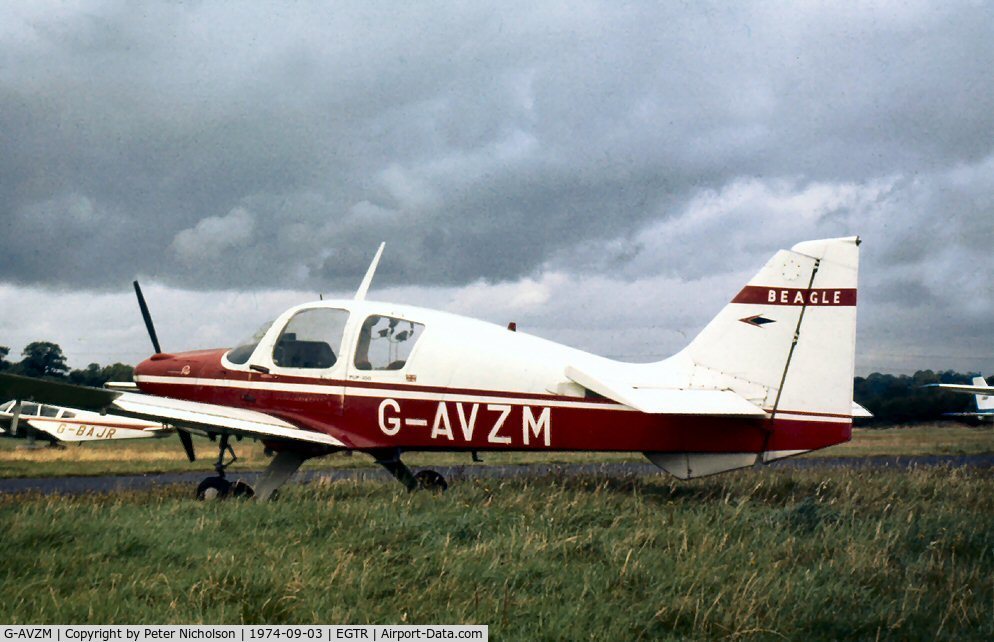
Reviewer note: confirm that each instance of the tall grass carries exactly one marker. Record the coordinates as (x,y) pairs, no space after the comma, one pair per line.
(768,555)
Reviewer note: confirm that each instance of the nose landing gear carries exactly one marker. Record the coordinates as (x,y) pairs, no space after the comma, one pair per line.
(279,471)
(218,487)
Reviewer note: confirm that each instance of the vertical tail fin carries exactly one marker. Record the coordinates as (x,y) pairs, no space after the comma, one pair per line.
(787,340)
(985,403)
(787,343)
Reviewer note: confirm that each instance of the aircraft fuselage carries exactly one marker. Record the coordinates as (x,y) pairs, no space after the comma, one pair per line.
(465,385)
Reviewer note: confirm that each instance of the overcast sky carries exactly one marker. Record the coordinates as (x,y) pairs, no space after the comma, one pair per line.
(605,174)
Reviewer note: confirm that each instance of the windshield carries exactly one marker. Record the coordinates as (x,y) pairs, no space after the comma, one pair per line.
(241,354)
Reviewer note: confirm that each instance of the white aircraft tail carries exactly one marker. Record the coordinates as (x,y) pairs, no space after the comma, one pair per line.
(787,341)
(787,344)
(985,403)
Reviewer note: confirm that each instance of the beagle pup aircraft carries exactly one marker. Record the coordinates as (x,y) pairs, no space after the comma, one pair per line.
(57,425)
(769,377)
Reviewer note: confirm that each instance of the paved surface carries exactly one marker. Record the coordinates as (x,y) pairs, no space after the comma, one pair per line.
(78,485)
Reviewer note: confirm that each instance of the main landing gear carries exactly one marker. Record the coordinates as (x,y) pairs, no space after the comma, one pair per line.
(430,480)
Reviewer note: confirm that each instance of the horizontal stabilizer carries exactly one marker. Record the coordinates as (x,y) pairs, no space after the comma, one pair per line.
(859,412)
(666,400)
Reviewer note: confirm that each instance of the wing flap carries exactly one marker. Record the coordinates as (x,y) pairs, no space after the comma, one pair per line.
(666,400)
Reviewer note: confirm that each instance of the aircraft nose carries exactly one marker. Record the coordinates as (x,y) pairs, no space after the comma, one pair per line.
(143,368)
(183,364)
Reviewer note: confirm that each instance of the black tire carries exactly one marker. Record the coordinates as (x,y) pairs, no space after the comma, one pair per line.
(241,489)
(213,488)
(431,480)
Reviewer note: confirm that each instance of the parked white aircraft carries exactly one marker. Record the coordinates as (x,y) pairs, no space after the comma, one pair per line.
(58,424)
(771,376)
(983,395)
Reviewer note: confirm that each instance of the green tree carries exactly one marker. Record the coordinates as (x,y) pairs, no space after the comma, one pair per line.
(96,376)
(89,376)
(117,372)
(4,364)
(43,359)
(895,399)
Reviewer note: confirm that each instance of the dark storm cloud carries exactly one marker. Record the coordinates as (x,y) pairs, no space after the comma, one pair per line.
(214,146)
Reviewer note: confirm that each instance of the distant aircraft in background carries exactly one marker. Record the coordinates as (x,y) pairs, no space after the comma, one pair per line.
(982,393)
(57,424)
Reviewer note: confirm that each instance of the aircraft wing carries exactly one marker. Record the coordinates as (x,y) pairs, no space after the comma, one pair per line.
(666,400)
(55,393)
(211,418)
(189,415)
(956,387)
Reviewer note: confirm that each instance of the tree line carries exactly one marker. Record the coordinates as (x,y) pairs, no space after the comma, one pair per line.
(891,398)
(45,360)
(898,399)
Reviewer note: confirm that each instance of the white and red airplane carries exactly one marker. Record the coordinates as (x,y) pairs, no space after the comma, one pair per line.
(57,424)
(771,376)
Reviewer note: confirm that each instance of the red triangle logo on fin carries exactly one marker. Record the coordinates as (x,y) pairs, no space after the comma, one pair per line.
(758,320)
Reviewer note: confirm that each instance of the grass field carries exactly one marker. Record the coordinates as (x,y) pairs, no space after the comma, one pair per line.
(759,555)
(930,439)
(166,455)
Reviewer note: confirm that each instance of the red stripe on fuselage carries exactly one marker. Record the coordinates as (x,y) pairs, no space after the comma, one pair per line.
(522,423)
(758,294)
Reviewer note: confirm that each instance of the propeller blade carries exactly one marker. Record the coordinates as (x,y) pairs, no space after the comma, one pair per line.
(187,440)
(148,324)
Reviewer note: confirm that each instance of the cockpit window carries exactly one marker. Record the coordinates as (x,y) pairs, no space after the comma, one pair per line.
(385,343)
(243,352)
(29,409)
(49,411)
(311,339)
(7,406)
